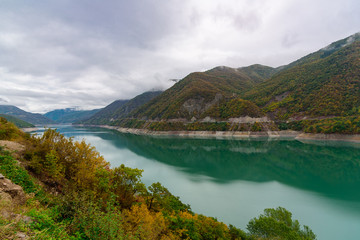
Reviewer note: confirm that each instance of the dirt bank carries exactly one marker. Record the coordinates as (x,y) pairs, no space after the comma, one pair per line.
(286,134)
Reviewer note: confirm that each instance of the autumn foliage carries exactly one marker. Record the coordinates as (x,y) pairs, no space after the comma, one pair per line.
(100,202)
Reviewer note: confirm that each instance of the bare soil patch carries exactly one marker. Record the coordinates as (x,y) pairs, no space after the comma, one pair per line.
(12,146)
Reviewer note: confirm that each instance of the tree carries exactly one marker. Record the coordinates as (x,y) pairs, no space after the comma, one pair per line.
(126,185)
(278,224)
(159,198)
(140,223)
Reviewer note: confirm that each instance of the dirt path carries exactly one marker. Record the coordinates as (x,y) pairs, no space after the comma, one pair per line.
(12,146)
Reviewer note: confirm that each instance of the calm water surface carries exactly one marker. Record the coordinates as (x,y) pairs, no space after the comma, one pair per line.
(235,180)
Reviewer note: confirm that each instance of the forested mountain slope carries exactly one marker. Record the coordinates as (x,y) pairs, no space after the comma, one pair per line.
(325,83)
(105,113)
(199,91)
(18,122)
(120,109)
(70,115)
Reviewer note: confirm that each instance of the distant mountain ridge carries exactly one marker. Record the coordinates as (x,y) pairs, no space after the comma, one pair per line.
(120,109)
(104,115)
(33,118)
(69,115)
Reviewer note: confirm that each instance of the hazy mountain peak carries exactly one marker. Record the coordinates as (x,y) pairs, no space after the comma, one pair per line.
(342,43)
(222,68)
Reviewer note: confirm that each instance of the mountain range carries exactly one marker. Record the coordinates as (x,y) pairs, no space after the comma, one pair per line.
(33,118)
(69,115)
(120,109)
(319,92)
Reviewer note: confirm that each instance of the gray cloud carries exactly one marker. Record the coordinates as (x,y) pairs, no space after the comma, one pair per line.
(3,100)
(56,54)
(289,40)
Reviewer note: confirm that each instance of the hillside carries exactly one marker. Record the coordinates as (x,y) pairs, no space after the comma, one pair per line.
(18,122)
(197,92)
(325,51)
(70,115)
(33,118)
(104,115)
(243,78)
(118,110)
(259,73)
(325,83)
(233,108)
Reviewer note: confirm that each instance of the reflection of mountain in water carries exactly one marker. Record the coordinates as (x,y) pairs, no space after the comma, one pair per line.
(332,170)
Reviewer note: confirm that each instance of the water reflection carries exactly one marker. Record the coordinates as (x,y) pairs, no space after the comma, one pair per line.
(331,170)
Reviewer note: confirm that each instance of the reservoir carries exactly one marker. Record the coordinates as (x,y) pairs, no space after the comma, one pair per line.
(235,180)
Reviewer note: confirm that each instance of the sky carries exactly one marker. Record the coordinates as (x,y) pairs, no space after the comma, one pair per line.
(88,53)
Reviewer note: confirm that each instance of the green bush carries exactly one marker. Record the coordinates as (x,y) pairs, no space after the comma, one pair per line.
(45,227)
(159,198)
(8,131)
(283,126)
(18,175)
(93,222)
(278,224)
(256,127)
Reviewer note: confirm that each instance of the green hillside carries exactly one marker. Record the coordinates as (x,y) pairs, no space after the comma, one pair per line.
(134,103)
(324,52)
(198,92)
(325,83)
(233,108)
(259,73)
(18,122)
(33,118)
(120,109)
(245,77)
(104,115)
(70,115)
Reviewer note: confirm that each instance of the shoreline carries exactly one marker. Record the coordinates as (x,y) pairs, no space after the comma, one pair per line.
(355,138)
(284,134)
(31,129)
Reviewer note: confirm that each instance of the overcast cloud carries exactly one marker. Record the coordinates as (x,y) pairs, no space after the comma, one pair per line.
(88,53)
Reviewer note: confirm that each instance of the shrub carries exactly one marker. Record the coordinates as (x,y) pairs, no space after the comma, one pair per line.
(17,174)
(278,224)
(45,227)
(256,127)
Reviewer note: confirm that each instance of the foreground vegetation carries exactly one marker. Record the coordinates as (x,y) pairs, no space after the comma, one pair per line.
(18,122)
(33,118)
(74,194)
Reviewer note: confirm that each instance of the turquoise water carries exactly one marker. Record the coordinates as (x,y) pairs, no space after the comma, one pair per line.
(235,180)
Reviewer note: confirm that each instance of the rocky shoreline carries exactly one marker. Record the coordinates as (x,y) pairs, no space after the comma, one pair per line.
(285,134)
(329,137)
